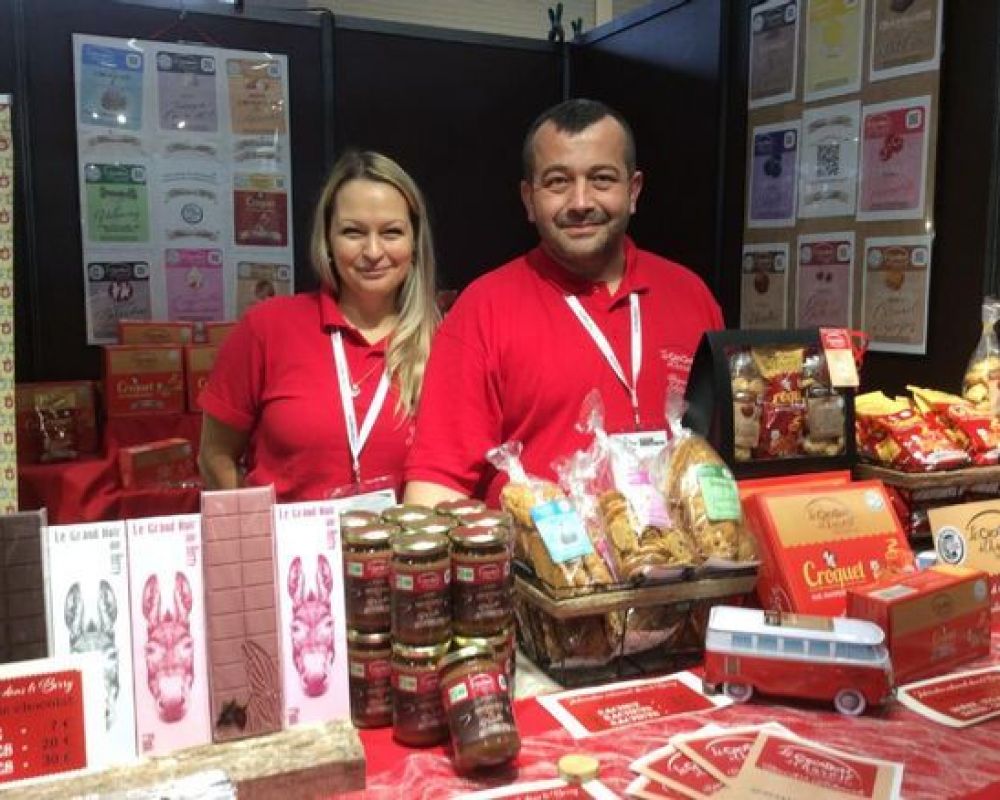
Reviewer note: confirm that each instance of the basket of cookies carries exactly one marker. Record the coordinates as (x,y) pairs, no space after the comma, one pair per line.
(613,561)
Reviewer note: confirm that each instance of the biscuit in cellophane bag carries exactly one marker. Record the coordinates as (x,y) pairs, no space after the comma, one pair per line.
(981,384)
(702,495)
(551,534)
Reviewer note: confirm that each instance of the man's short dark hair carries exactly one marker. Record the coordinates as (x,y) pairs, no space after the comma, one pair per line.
(574,116)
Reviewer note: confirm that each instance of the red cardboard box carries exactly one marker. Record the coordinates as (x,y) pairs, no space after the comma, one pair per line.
(198,362)
(143,380)
(168,462)
(816,542)
(144,332)
(216,332)
(67,409)
(933,620)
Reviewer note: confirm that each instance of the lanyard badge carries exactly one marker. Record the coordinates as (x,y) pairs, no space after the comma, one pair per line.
(356,439)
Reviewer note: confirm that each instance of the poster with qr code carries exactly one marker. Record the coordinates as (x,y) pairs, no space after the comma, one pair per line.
(824,280)
(834,39)
(894,142)
(905,37)
(828,167)
(774,52)
(764,293)
(773,175)
(896,293)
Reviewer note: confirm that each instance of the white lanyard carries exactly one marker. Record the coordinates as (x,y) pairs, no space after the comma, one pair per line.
(356,439)
(605,347)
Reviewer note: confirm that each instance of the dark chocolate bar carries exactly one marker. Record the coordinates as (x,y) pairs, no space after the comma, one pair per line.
(22,587)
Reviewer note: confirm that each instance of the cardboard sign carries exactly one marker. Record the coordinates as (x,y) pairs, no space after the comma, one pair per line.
(969,535)
(598,709)
(51,717)
(959,700)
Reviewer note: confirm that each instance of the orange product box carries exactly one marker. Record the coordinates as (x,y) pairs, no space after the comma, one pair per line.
(749,486)
(216,332)
(143,379)
(56,421)
(933,620)
(198,362)
(164,463)
(817,542)
(143,332)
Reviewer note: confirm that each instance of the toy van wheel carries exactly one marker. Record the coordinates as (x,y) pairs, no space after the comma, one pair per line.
(738,692)
(850,702)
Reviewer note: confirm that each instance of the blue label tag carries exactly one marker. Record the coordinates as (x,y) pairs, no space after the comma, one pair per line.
(562,531)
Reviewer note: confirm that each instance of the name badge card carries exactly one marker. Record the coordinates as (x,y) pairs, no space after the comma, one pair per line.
(599,709)
(51,717)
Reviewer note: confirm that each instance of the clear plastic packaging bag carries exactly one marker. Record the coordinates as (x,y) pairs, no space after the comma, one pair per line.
(981,384)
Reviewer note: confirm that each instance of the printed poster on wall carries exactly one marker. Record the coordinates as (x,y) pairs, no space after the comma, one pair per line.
(259,280)
(185,177)
(764,294)
(833,48)
(897,293)
(894,141)
(773,176)
(774,52)
(824,280)
(828,168)
(905,37)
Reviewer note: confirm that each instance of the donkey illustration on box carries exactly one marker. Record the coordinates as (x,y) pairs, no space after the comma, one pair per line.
(169,648)
(312,626)
(96,636)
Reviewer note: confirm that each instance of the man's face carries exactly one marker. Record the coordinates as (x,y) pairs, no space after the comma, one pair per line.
(581,195)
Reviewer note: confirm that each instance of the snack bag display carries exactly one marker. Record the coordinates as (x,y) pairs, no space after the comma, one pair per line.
(976,432)
(549,532)
(641,542)
(783,408)
(981,384)
(701,494)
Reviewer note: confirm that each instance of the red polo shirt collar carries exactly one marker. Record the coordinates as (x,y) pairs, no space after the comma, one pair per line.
(634,278)
(332,318)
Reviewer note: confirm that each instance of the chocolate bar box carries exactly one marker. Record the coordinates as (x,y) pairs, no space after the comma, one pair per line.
(242,614)
(313,629)
(169,645)
(87,609)
(22,594)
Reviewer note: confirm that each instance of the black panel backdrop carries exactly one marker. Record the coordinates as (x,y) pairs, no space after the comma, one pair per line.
(49,275)
(660,66)
(453,112)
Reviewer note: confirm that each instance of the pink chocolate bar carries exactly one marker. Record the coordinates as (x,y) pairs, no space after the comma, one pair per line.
(243,655)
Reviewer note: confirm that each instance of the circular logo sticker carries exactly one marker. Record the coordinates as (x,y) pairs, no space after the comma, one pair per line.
(951,545)
(192,214)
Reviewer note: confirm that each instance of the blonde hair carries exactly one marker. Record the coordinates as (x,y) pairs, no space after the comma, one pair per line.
(410,345)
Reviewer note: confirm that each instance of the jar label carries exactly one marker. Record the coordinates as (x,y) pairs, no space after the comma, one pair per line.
(415,613)
(377,670)
(415,683)
(367,598)
(471,687)
(480,571)
(476,603)
(432,580)
(371,700)
(368,568)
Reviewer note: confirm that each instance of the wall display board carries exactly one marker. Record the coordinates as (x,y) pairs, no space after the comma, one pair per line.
(8,414)
(185,180)
(840,170)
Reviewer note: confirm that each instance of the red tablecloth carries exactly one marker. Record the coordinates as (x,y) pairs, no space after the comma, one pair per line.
(940,763)
(90,489)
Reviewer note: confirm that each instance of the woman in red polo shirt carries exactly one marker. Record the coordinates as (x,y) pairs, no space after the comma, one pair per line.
(317,391)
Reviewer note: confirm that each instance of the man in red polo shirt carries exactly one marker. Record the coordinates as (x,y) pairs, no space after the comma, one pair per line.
(524,344)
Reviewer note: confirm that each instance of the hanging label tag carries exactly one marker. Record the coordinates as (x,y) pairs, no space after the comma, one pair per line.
(839,357)
(719,492)
(561,530)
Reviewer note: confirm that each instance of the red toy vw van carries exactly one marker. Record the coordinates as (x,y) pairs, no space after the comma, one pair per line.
(820,658)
